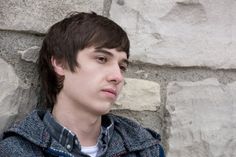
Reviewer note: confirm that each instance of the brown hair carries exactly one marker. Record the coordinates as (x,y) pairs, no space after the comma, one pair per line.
(65,39)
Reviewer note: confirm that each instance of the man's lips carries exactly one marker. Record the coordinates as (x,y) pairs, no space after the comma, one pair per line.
(110,91)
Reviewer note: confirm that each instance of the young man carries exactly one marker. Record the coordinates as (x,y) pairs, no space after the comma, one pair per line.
(81,66)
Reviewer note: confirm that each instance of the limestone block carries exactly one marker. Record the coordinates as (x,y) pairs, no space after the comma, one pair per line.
(38,16)
(148,119)
(14,43)
(180,32)
(9,83)
(139,95)
(30,54)
(203,119)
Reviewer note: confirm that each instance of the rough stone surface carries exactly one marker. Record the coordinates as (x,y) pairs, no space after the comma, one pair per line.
(179,38)
(147,119)
(139,95)
(181,33)
(37,16)
(11,43)
(9,83)
(203,119)
(30,54)
(23,98)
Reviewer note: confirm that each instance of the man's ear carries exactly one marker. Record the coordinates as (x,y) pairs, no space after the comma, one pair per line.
(58,66)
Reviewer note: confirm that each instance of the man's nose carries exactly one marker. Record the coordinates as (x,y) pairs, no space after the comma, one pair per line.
(115,75)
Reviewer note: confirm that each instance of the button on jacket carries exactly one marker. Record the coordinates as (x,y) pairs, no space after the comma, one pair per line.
(31,138)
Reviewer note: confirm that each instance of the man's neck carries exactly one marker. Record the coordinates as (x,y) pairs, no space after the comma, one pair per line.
(85,125)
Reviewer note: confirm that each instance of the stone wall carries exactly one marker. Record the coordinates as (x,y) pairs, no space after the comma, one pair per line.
(182,79)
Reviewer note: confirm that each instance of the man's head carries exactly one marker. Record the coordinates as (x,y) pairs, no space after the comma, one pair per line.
(69,37)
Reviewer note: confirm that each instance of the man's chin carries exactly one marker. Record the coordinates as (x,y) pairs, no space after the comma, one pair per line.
(106,109)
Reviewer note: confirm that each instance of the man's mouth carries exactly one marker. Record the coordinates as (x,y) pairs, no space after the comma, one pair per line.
(110,92)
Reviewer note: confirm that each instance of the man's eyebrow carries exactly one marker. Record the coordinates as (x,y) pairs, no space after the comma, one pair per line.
(126,61)
(104,51)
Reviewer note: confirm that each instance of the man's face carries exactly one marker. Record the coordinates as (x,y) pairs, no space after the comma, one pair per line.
(97,81)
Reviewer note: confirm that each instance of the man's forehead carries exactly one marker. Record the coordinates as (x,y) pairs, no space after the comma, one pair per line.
(112,52)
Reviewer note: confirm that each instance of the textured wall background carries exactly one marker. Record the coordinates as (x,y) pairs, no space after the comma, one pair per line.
(182,79)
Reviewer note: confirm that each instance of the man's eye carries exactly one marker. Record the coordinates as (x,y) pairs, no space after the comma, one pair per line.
(123,68)
(101,59)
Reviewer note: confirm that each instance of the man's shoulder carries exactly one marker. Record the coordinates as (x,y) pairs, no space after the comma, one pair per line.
(15,146)
(12,142)
(32,123)
(26,137)
(30,129)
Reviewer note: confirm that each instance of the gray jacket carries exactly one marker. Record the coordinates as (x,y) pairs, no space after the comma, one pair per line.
(30,138)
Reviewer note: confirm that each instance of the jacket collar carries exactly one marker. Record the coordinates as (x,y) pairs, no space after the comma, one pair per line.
(130,136)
